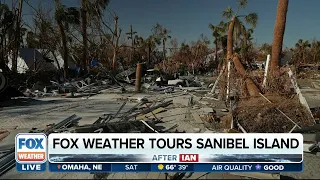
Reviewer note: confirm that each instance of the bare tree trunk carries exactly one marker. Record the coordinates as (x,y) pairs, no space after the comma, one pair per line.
(55,59)
(279,30)
(84,35)
(164,49)
(216,44)
(65,50)
(115,45)
(17,38)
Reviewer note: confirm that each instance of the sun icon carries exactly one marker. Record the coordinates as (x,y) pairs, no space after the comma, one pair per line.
(160,166)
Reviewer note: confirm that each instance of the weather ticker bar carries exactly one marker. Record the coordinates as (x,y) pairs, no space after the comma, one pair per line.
(173,167)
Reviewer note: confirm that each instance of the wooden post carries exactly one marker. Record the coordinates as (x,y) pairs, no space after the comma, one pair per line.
(138,77)
(228,80)
(266,71)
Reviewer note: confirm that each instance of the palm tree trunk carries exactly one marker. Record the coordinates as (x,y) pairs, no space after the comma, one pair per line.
(278,34)
(216,44)
(64,49)
(230,39)
(149,53)
(252,88)
(84,35)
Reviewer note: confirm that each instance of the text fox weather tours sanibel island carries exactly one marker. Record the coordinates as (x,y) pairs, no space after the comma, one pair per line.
(187,152)
(31,152)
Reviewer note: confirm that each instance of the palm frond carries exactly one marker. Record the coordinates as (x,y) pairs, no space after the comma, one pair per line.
(252,19)
(243,4)
(228,13)
(250,31)
(3,8)
(59,13)
(211,26)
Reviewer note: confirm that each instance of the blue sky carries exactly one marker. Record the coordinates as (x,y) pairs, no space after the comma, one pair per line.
(187,19)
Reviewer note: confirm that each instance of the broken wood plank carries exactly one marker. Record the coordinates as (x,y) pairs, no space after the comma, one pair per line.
(149,126)
(217,80)
(302,99)
(165,104)
(294,127)
(152,113)
(241,128)
(120,109)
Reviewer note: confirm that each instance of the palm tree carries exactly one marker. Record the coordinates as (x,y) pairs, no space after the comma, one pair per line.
(159,34)
(279,29)
(151,45)
(165,37)
(247,37)
(315,48)
(7,31)
(251,19)
(216,34)
(302,47)
(90,9)
(84,33)
(64,18)
(60,18)
(131,36)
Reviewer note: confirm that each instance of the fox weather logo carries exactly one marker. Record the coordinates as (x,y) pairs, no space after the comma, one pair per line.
(31,149)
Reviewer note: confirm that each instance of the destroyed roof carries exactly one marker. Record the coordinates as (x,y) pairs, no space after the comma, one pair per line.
(29,59)
(42,59)
(57,55)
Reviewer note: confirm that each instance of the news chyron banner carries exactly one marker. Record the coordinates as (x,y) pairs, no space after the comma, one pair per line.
(166,152)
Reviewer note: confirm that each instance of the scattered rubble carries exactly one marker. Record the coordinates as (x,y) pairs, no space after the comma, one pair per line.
(189,98)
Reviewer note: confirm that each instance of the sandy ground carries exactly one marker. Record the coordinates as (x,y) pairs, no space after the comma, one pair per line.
(24,114)
(39,113)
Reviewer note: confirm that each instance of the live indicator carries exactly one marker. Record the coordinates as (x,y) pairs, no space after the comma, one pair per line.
(29,167)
